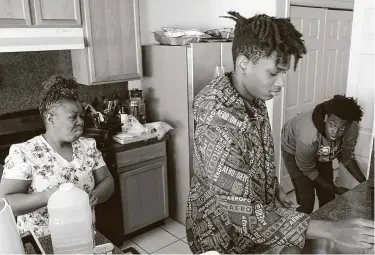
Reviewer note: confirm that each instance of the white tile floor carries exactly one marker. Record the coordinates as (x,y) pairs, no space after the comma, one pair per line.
(167,239)
(170,238)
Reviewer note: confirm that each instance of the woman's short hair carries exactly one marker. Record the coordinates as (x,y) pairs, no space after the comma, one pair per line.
(56,89)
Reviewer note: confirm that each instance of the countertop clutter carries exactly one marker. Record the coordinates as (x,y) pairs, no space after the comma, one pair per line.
(137,143)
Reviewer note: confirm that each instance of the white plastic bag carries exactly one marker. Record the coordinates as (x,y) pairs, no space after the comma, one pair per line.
(132,126)
(159,127)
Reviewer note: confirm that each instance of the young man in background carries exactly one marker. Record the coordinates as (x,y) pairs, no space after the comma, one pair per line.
(311,140)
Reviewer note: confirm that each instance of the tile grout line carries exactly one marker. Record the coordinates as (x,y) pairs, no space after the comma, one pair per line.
(161,227)
(178,239)
(140,247)
(164,246)
(130,240)
(143,234)
(184,241)
(172,234)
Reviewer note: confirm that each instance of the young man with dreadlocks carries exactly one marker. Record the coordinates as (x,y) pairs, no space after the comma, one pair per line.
(235,203)
(311,140)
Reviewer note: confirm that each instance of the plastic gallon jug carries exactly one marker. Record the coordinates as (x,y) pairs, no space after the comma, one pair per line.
(10,240)
(70,221)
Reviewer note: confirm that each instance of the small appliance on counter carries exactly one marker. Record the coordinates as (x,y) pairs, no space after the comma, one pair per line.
(137,105)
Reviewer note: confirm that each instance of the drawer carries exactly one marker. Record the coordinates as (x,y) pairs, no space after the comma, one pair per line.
(138,155)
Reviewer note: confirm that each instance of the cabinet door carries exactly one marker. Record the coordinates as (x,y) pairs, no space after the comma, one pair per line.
(15,12)
(206,61)
(227,57)
(113,35)
(144,196)
(56,12)
(336,53)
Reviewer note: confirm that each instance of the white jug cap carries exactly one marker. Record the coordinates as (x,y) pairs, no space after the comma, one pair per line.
(66,186)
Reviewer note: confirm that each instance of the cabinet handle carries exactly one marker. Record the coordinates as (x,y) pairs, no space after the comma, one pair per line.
(222,69)
(217,71)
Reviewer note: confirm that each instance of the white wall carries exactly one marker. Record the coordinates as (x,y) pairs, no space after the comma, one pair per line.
(361,82)
(198,14)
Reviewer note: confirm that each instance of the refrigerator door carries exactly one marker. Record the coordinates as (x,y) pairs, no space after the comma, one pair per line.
(226,57)
(206,60)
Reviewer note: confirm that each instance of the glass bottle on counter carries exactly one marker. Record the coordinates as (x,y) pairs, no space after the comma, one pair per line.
(142,111)
(134,108)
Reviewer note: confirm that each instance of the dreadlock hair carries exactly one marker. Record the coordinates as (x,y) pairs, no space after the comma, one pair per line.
(261,35)
(56,89)
(346,108)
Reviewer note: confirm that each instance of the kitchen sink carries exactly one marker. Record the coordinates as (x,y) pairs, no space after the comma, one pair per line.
(324,246)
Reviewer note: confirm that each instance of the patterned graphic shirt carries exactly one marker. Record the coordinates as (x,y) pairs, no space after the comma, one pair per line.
(231,205)
(37,161)
(301,138)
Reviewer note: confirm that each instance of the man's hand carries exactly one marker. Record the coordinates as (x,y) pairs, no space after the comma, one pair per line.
(355,233)
(282,199)
(339,190)
(94,198)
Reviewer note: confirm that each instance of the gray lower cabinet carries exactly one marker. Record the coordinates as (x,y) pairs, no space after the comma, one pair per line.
(141,191)
(144,193)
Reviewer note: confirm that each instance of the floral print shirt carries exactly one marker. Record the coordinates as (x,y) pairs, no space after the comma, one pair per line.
(37,161)
(231,205)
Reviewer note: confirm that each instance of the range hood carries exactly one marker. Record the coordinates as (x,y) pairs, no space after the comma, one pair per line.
(40,39)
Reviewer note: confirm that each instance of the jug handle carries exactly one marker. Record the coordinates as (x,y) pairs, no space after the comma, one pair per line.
(5,202)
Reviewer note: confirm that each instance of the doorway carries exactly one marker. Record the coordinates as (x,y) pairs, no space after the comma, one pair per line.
(321,73)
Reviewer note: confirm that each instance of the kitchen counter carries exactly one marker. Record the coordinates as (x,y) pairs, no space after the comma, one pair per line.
(355,203)
(117,147)
(47,244)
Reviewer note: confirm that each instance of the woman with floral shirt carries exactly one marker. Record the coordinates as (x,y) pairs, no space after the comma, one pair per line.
(36,168)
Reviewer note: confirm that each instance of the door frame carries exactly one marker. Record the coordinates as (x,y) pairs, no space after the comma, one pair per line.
(336,4)
(283,11)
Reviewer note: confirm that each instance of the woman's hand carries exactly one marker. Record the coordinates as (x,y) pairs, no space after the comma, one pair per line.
(48,193)
(104,186)
(355,233)
(94,198)
(282,199)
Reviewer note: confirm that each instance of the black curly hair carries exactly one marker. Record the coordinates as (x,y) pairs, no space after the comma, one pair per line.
(56,89)
(261,35)
(346,108)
